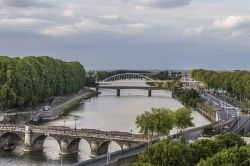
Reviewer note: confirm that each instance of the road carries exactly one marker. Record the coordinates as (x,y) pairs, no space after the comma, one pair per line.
(226,110)
(102,160)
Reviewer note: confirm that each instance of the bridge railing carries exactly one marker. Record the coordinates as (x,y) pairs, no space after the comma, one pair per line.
(12,127)
(61,130)
(90,133)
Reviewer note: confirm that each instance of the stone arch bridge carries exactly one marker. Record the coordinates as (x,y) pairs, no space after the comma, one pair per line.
(33,137)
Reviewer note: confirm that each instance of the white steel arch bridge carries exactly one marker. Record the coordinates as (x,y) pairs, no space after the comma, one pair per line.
(129,77)
(133,81)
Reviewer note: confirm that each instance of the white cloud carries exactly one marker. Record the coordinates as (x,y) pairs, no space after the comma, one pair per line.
(133,29)
(68,12)
(84,26)
(25,3)
(138,26)
(109,17)
(232,22)
(14,22)
(141,4)
(232,26)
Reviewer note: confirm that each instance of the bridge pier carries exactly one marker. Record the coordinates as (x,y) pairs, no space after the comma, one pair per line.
(118,92)
(27,139)
(149,93)
(94,148)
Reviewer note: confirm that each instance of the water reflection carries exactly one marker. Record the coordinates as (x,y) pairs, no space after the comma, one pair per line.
(106,112)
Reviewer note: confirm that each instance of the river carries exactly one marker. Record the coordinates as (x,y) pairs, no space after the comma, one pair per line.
(105,112)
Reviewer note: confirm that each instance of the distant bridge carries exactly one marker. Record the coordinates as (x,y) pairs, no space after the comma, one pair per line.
(134,81)
(33,137)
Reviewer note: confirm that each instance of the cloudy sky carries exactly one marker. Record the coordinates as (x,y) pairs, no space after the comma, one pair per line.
(130,34)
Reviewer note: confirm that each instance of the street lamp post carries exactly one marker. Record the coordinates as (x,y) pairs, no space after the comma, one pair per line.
(248,108)
(109,146)
(75,122)
(61,159)
(64,126)
(109,149)
(221,125)
(238,119)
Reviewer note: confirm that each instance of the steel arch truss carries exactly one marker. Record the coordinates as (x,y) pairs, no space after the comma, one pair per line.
(127,76)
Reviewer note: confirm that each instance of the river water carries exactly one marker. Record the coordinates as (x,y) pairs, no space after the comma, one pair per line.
(105,112)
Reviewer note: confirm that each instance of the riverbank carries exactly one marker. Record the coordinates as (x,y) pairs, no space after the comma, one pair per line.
(207,113)
(61,105)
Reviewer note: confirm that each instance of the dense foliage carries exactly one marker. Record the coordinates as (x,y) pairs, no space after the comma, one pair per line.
(165,75)
(202,152)
(158,121)
(188,96)
(236,156)
(29,81)
(183,118)
(161,120)
(236,83)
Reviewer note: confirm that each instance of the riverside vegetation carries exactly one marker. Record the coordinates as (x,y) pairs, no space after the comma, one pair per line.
(161,120)
(228,149)
(235,83)
(31,80)
(225,149)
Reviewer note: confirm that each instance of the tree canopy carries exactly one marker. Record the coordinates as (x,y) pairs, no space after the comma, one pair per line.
(31,80)
(183,118)
(161,120)
(158,121)
(237,83)
(202,152)
(236,156)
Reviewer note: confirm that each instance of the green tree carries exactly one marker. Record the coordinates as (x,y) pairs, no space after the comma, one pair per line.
(139,164)
(32,80)
(202,149)
(207,130)
(158,121)
(228,140)
(183,118)
(166,153)
(236,156)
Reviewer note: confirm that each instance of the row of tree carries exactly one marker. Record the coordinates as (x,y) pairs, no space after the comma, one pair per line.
(188,96)
(31,80)
(161,121)
(226,149)
(236,83)
(165,75)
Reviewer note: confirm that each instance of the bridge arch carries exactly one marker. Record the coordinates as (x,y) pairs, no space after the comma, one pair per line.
(127,76)
(11,137)
(73,145)
(38,141)
(103,147)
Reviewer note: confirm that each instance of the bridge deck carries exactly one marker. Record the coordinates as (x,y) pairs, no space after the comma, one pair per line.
(130,87)
(81,133)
